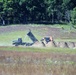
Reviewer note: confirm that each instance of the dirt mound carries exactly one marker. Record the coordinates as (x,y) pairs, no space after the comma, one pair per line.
(51,44)
(66,44)
(75,44)
(55,44)
(62,44)
(37,44)
(71,44)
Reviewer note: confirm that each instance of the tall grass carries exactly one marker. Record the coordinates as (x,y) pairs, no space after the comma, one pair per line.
(37,61)
(31,69)
(36,65)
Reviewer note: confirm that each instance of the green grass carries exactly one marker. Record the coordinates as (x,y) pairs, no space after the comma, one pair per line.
(7,38)
(65,26)
(54,65)
(33,49)
(66,39)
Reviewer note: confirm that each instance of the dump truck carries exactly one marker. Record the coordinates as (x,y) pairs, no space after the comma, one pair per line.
(20,42)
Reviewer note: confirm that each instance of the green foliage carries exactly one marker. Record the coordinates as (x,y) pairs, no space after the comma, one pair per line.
(32,49)
(35,10)
(73,15)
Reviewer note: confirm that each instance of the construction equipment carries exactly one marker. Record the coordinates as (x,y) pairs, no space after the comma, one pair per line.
(20,42)
(32,37)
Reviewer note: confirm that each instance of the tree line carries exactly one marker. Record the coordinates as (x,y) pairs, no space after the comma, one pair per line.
(37,11)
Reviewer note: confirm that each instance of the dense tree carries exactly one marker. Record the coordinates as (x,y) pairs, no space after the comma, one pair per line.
(23,11)
(73,15)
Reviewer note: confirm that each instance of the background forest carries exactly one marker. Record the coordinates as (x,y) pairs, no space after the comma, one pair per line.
(37,11)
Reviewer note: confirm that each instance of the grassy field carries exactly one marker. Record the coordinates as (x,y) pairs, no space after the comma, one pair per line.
(7,38)
(10,33)
(43,50)
(23,60)
(37,61)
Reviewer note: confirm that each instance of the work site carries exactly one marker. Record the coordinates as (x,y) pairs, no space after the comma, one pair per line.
(40,36)
(37,50)
(37,37)
(46,41)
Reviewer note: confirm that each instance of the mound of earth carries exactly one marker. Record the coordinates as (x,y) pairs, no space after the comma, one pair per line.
(63,44)
(51,44)
(71,44)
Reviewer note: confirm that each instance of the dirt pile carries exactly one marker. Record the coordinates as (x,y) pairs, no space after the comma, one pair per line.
(38,44)
(51,44)
(71,44)
(61,44)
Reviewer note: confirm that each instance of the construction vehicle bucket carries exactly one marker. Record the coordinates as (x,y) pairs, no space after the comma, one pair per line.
(32,37)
